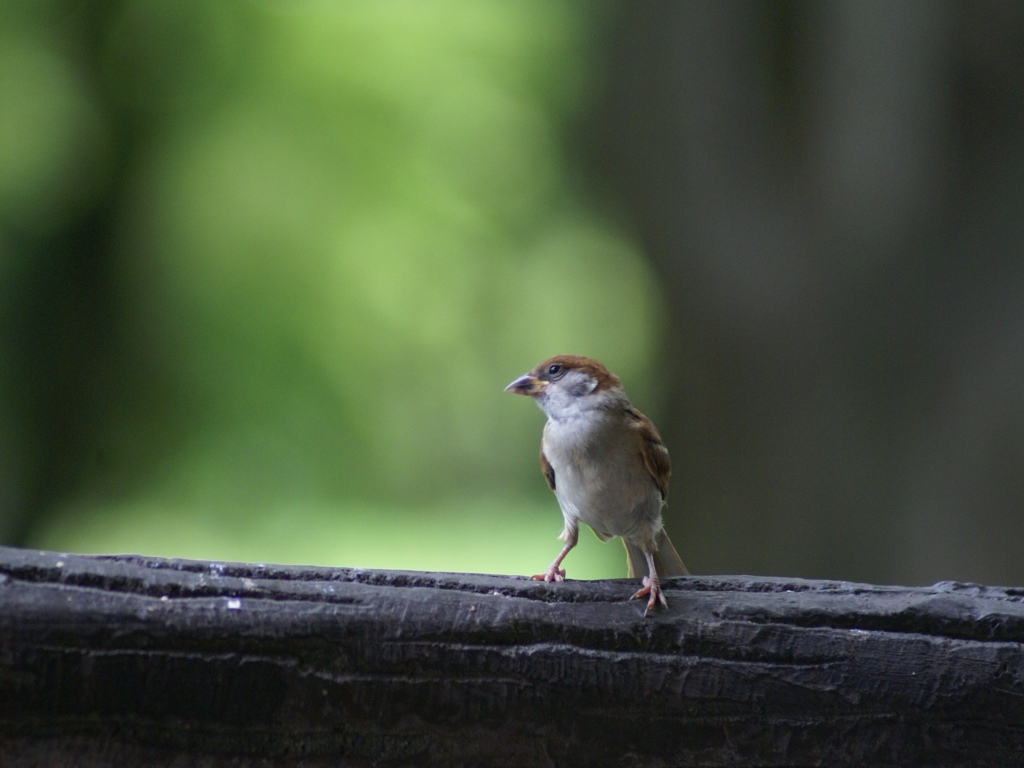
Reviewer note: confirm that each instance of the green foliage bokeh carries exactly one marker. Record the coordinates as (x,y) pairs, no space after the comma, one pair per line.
(338,230)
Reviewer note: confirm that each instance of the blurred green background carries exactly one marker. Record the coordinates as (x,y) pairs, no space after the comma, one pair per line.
(265,268)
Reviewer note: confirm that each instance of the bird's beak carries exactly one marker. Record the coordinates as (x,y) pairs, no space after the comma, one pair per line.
(527,384)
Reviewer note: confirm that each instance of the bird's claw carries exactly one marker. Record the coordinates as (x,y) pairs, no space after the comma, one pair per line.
(651,590)
(551,574)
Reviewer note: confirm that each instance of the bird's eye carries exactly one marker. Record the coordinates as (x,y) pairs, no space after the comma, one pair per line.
(554,369)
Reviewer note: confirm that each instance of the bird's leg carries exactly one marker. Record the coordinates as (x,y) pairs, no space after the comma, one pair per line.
(554,573)
(652,587)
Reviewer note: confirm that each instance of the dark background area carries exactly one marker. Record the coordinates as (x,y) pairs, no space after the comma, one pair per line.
(833,195)
(264,271)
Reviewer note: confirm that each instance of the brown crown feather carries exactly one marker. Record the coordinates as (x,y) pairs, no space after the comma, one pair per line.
(605,378)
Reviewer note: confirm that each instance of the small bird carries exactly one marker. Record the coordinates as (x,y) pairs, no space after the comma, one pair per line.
(606,464)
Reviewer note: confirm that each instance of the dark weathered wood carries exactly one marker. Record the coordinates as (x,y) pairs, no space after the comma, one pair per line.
(150,662)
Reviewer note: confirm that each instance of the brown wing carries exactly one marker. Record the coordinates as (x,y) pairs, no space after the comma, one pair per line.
(653,450)
(547,469)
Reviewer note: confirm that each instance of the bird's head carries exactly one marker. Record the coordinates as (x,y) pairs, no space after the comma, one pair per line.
(565,384)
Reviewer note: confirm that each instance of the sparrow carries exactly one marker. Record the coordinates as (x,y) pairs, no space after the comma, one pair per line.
(607,466)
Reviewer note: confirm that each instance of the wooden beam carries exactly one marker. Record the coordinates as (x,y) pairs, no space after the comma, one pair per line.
(151,662)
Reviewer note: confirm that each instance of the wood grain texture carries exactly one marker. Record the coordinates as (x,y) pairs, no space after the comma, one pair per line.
(151,662)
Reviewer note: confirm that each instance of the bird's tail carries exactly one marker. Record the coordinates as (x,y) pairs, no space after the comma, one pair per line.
(666,559)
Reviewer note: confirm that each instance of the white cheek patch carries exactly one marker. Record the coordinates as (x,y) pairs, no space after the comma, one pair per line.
(579,384)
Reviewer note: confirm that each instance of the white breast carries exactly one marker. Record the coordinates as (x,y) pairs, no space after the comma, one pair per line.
(600,478)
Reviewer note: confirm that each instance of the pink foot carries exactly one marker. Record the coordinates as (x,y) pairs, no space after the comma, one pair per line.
(651,589)
(551,574)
